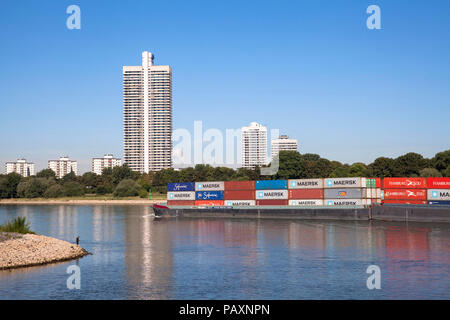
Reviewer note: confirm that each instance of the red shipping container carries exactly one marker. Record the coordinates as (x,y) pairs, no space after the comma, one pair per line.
(403,183)
(305,194)
(405,201)
(209,203)
(272,202)
(438,183)
(240,195)
(180,202)
(239,185)
(405,194)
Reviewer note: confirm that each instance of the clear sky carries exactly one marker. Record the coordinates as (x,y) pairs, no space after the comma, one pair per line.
(309,68)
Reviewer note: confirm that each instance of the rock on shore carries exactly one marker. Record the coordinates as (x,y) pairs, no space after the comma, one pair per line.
(32,250)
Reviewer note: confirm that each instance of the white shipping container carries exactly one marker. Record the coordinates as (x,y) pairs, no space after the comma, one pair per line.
(378,193)
(305,184)
(438,194)
(344,182)
(346,202)
(181,195)
(306,203)
(271,194)
(210,186)
(240,203)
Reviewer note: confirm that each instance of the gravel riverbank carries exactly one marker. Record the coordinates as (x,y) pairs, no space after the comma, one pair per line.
(26,250)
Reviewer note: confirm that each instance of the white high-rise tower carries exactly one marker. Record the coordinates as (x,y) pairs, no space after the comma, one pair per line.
(147,98)
(254,145)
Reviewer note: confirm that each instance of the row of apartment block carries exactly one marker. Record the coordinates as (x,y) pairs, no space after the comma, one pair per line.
(62,166)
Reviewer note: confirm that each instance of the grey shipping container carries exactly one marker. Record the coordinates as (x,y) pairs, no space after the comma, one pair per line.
(345,193)
(439,194)
(344,182)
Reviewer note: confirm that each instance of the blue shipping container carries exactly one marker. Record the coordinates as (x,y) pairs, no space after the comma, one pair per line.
(209,195)
(181,186)
(271,184)
(439,202)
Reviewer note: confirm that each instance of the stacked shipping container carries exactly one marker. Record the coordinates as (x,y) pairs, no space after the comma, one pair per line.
(311,192)
(438,192)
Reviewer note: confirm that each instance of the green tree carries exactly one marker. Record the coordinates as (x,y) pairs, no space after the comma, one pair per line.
(430,172)
(73,189)
(46,173)
(127,188)
(8,185)
(71,176)
(410,164)
(341,172)
(120,173)
(54,191)
(90,181)
(290,165)
(447,172)
(382,167)
(441,161)
(33,187)
(358,169)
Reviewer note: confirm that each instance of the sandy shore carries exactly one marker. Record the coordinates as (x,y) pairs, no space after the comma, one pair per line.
(26,250)
(80,202)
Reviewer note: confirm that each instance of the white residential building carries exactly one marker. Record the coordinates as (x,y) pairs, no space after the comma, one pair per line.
(147,99)
(63,166)
(254,145)
(21,166)
(108,161)
(283,143)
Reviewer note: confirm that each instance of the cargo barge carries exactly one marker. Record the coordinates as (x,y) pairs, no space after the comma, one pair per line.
(387,212)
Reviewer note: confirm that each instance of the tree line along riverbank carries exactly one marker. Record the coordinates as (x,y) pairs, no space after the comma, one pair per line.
(123,183)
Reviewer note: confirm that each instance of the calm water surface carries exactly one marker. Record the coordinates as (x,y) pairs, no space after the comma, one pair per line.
(137,257)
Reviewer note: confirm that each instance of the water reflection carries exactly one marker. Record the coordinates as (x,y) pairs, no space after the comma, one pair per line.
(137,257)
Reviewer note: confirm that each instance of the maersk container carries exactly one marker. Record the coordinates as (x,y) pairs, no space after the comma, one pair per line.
(209,186)
(305,184)
(439,202)
(345,193)
(346,202)
(181,186)
(209,195)
(438,183)
(438,194)
(306,202)
(271,184)
(344,182)
(181,195)
(240,203)
(271,194)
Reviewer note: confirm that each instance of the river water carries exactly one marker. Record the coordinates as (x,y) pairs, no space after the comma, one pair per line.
(138,257)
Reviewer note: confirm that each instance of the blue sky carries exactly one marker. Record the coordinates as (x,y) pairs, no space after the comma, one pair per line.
(309,68)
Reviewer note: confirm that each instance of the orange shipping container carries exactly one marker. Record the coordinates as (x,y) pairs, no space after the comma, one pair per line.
(272,202)
(239,185)
(305,193)
(180,202)
(405,183)
(211,203)
(239,195)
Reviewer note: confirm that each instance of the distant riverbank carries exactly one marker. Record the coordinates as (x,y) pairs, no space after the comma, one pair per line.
(69,201)
(27,250)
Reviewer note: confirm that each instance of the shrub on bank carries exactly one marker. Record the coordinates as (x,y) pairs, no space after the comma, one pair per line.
(19,225)
(54,191)
(127,188)
(73,189)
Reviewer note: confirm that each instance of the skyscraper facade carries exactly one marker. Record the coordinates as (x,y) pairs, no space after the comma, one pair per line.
(108,161)
(254,145)
(147,98)
(283,143)
(63,166)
